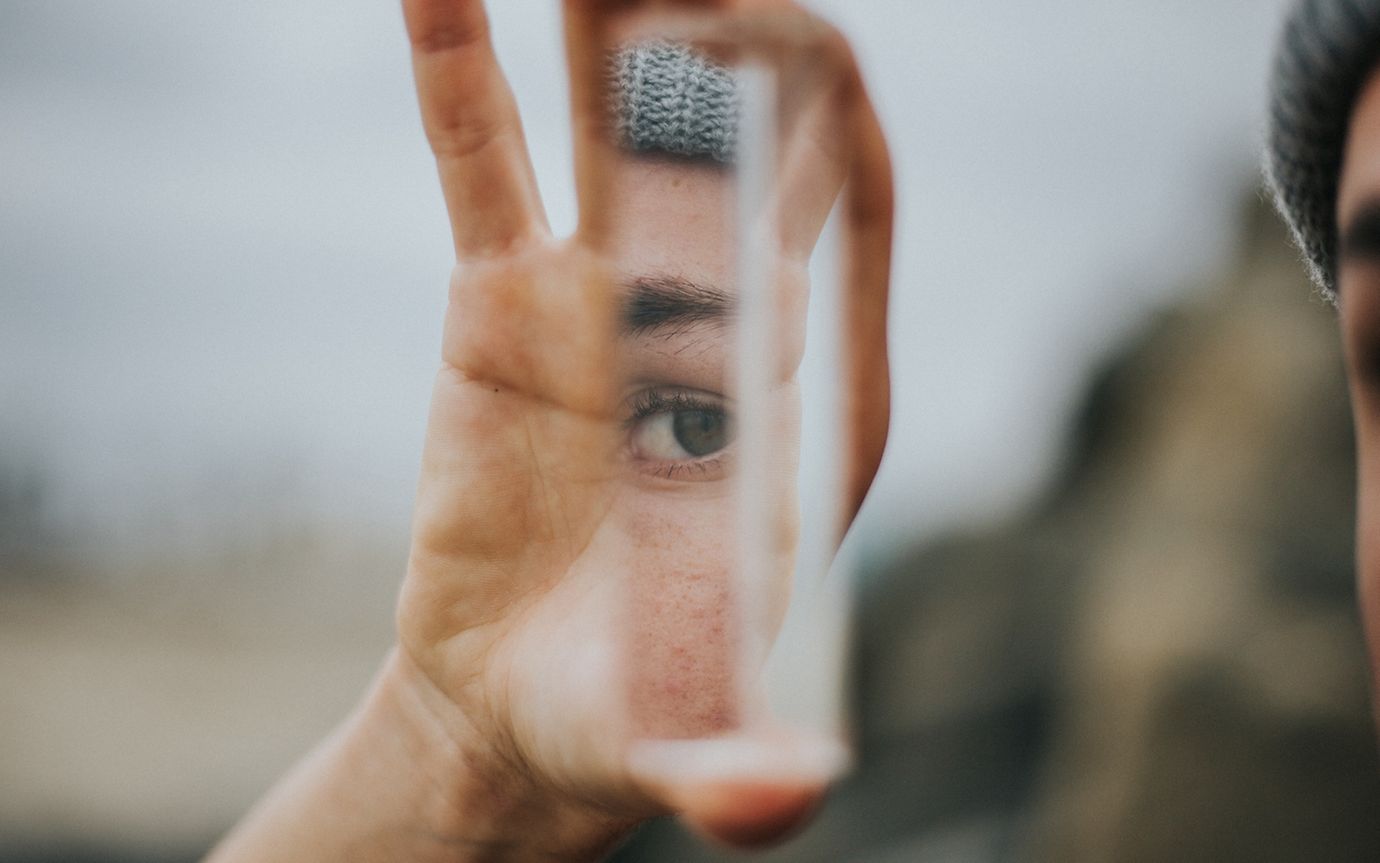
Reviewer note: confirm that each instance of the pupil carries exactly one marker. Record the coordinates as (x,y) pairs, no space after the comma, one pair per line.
(700,432)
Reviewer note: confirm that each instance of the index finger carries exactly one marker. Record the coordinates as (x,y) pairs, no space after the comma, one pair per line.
(472,124)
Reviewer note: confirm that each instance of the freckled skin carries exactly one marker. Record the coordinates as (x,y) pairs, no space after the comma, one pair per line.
(686,663)
(682,638)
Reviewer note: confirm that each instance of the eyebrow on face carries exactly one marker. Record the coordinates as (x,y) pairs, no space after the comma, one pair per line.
(1361,238)
(657,302)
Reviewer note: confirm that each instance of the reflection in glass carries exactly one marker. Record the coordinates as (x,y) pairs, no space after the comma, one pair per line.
(725,157)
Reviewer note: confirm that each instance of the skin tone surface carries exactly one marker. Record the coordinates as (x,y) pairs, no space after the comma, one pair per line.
(1358,220)
(567,590)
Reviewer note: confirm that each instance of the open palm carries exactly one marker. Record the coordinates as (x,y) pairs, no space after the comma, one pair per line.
(516,612)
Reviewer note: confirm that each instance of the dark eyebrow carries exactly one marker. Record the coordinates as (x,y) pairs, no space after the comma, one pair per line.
(656,302)
(1362,238)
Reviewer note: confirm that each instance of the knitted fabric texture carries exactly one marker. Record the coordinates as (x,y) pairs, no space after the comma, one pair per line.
(670,99)
(1325,55)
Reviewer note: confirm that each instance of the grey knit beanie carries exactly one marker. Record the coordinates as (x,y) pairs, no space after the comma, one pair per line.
(1324,58)
(671,99)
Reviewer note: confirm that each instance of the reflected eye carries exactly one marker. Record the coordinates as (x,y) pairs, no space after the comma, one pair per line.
(671,431)
(680,435)
(700,433)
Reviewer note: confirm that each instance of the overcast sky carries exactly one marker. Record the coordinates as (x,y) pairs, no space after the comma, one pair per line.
(223,253)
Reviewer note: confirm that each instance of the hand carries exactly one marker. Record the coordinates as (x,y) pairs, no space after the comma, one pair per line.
(566,588)
(517,594)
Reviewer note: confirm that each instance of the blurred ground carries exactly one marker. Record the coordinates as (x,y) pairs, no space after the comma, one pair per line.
(138,722)
(1158,661)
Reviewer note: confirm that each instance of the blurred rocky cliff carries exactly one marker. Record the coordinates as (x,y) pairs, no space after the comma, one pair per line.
(1161,660)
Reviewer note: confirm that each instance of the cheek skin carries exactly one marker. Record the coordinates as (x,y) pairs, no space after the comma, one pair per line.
(1366,411)
(687,654)
(1368,560)
(680,620)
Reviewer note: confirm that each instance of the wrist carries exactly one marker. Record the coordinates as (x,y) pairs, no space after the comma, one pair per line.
(472,800)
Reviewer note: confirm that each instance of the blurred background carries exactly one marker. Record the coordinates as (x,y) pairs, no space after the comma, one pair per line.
(1106,612)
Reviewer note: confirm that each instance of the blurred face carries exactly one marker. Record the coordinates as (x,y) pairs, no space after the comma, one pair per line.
(1358,275)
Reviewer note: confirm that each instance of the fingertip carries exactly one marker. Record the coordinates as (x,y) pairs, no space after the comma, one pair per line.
(744,793)
(749,816)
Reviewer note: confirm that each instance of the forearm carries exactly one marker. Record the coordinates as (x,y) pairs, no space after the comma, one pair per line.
(397,783)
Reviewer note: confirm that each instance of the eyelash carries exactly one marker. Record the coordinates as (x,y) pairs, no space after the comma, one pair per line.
(651,402)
